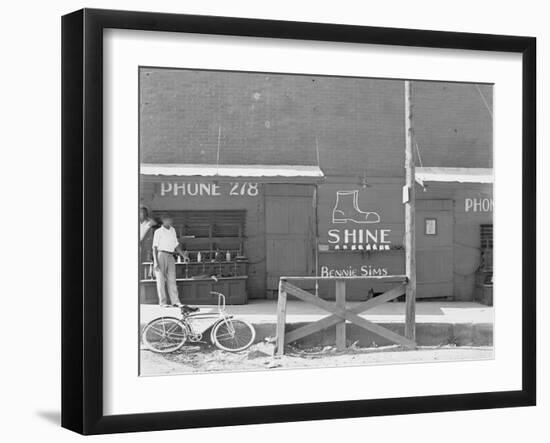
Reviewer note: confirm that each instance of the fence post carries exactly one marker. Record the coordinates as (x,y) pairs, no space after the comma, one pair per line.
(341,326)
(281,321)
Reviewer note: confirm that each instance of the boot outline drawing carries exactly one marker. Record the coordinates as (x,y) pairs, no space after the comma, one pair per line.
(347,209)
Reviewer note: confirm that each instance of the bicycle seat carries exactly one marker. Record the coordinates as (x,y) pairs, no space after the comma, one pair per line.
(188,309)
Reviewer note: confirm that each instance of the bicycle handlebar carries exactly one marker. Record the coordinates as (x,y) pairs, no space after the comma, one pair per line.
(221,300)
(221,297)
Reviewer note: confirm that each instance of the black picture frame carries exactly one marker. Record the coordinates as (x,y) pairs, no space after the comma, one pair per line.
(82,160)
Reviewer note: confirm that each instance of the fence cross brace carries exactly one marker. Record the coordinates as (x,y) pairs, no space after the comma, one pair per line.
(340,314)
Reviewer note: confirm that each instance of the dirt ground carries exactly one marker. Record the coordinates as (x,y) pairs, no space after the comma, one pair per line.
(192,359)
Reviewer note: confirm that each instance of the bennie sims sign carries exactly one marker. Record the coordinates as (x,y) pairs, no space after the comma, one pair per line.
(359,230)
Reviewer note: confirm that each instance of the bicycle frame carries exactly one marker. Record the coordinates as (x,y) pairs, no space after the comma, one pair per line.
(219,323)
(219,316)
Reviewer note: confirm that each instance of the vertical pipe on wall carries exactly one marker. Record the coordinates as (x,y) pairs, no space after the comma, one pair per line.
(218,150)
(410,241)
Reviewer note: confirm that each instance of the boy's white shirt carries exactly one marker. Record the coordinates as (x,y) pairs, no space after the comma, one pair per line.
(165,239)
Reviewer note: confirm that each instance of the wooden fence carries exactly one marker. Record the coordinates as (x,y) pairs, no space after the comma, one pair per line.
(339,313)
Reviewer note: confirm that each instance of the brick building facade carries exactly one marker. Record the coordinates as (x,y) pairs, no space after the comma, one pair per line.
(352,129)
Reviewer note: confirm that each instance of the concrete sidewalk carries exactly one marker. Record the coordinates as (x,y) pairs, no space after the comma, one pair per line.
(265,311)
(438,322)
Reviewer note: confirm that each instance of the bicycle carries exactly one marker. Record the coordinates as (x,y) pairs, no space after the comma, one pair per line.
(168,334)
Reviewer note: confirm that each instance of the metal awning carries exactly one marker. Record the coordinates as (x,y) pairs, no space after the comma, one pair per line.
(275,172)
(456,175)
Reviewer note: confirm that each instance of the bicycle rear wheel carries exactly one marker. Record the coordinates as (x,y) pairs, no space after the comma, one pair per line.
(233,335)
(164,335)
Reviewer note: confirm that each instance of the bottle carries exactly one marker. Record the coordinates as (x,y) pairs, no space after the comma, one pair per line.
(228,256)
(199,257)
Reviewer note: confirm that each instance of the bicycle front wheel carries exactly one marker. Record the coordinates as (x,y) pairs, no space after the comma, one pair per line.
(164,335)
(233,335)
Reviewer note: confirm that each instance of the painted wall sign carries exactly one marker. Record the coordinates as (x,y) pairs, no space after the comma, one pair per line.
(359,239)
(355,235)
(478,205)
(347,209)
(209,189)
(353,271)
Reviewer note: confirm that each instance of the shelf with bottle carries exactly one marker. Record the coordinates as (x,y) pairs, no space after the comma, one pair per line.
(199,278)
(208,256)
(192,269)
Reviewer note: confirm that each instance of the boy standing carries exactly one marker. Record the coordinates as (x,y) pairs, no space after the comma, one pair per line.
(165,245)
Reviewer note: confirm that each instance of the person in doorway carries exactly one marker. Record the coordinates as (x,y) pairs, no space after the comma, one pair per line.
(145,223)
(165,245)
(146,230)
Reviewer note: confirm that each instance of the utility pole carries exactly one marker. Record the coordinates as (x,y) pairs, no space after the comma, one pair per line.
(410,207)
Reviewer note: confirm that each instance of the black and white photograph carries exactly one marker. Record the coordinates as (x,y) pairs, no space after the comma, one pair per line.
(295,221)
(272,222)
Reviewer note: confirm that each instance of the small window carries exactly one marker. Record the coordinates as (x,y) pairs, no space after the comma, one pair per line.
(430,226)
(210,232)
(486,236)
(486,241)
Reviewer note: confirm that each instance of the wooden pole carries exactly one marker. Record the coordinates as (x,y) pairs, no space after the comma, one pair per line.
(410,226)
(281,321)
(341,326)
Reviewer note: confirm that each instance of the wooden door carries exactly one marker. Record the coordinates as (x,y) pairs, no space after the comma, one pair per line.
(289,234)
(434,248)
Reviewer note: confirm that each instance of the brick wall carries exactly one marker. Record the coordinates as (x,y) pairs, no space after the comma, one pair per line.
(276,119)
(453,127)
